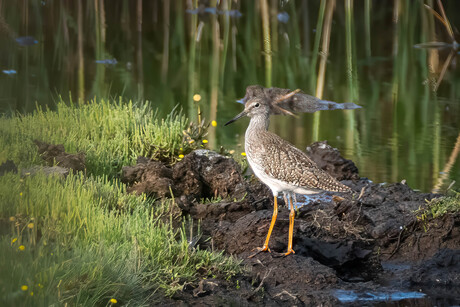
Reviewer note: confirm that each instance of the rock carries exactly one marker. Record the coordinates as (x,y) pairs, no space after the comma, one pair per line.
(56,155)
(47,170)
(330,160)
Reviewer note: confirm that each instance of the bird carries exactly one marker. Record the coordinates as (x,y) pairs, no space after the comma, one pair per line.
(277,163)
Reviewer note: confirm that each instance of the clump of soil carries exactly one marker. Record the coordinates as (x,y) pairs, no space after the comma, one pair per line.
(330,160)
(56,155)
(201,174)
(7,167)
(340,242)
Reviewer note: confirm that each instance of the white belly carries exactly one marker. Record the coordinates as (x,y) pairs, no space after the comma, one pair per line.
(277,185)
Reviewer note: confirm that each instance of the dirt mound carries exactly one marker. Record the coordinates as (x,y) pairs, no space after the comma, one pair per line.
(330,160)
(201,174)
(55,154)
(8,166)
(340,243)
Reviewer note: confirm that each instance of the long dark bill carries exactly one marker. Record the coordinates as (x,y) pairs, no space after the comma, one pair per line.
(242,114)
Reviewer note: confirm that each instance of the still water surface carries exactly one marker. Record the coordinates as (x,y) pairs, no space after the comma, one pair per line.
(168,51)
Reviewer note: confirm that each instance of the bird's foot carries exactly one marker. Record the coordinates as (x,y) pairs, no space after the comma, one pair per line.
(259,250)
(281,255)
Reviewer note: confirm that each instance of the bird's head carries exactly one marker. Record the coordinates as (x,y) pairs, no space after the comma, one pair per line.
(261,105)
(253,107)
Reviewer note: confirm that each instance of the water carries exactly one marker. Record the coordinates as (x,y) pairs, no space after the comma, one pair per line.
(406,130)
(350,296)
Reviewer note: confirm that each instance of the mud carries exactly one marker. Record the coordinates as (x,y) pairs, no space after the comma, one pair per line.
(346,246)
(56,155)
(7,167)
(202,174)
(330,160)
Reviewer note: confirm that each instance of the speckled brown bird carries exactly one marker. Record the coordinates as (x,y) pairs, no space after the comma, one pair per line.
(278,163)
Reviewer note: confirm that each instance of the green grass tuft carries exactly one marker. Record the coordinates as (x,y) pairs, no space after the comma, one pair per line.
(442,205)
(82,240)
(111,134)
(87,241)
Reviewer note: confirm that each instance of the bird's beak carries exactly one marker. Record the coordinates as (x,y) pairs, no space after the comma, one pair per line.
(242,114)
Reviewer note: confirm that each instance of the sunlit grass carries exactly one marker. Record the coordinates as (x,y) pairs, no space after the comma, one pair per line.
(111,134)
(82,240)
(85,242)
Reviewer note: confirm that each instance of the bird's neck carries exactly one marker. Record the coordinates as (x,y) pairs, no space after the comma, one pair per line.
(259,122)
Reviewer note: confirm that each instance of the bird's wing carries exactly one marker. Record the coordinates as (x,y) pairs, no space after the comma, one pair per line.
(283,161)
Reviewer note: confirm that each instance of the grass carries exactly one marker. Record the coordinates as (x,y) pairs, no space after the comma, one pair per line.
(111,134)
(442,205)
(438,207)
(83,240)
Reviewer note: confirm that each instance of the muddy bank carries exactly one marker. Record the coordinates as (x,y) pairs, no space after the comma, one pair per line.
(347,247)
(372,247)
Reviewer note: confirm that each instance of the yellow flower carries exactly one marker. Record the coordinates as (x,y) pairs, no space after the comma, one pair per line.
(113,301)
(243,154)
(181,156)
(14,240)
(24,288)
(205,141)
(30,225)
(196,97)
(12,219)
(20,194)
(22,247)
(191,141)
(31,293)
(214,123)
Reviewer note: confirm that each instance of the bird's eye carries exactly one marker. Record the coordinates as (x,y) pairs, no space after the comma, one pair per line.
(257,105)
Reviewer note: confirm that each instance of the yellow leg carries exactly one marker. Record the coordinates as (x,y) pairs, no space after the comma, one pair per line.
(272,224)
(291,228)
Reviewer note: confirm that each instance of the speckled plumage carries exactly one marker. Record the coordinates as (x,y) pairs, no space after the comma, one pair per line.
(280,160)
(278,163)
